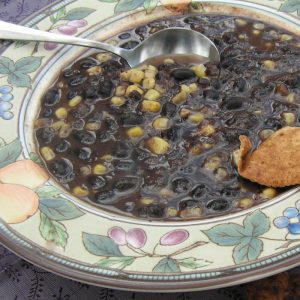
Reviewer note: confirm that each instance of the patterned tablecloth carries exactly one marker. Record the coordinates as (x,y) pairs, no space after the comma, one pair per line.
(21,280)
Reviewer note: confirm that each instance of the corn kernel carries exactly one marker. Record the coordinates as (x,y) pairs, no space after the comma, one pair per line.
(184,113)
(240,22)
(75,101)
(194,212)
(207,146)
(256,32)
(269,193)
(118,101)
(213,163)
(99,169)
(151,106)
(135,132)
(180,97)
(85,170)
(159,88)
(147,201)
(103,57)
(171,212)
(169,61)
(207,130)
(107,157)
(132,88)
(148,83)
(57,125)
(47,153)
(221,174)
(196,118)
(200,70)
(161,123)
(290,98)
(236,157)
(150,74)
(259,26)
(93,126)
(166,193)
(61,113)
(265,133)
(245,203)
(94,70)
(193,87)
(196,149)
(184,88)
(286,37)
(80,192)
(125,75)
(269,64)
(120,90)
(136,76)
(289,118)
(152,95)
(65,130)
(158,145)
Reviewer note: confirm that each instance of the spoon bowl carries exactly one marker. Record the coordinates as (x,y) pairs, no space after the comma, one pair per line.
(183,44)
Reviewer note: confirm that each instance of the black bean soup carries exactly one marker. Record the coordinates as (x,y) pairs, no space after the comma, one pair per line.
(159,142)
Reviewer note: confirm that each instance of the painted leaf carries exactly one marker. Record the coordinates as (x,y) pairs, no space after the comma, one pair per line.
(10,152)
(150,5)
(256,224)
(2,142)
(226,234)
(128,5)
(100,245)
(119,262)
(20,44)
(19,79)
(6,65)
(28,64)
(78,13)
(35,158)
(290,6)
(249,249)
(59,14)
(59,209)
(47,191)
(193,263)
(53,231)
(166,265)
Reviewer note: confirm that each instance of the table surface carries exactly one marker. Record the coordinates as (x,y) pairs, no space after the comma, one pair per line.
(21,280)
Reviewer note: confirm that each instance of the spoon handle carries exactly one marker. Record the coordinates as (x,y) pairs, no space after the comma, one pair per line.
(9,31)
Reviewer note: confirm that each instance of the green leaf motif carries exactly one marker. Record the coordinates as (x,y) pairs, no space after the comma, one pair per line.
(167,265)
(245,238)
(2,142)
(59,14)
(28,64)
(150,5)
(10,152)
(59,209)
(35,158)
(20,44)
(6,65)
(100,245)
(53,231)
(249,249)
(290,6)
(119,262)
(193,263)
(226,234)
(128,5)
(48,191)
(77,13)
(19,79)
(256,224)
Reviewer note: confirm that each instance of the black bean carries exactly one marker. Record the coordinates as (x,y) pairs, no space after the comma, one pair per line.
(211,94)
(96,182)
(88,63)
(61,168)
(105,137)
(187,170)
(212,70)
(96,117)
(204,82)
(229,192)
(183,73)
(216,84)
(47,112)
(83,153)
(62,146)
(135,95)
(121,150)
(132,119)
(77,80)
(111,66)
(105,197)
(232,135)
(124,36)
(140,154)
(78,124)
(233,103)
(68,73)
(111,124)
(85,137)
(52,97)
(105,88)
(181,185)
(273,123)
(241,84)
(172,134)
(241,120)
(82,111)
(199,191)
(124,165)
(169,110)
(72,93)
(126,185)
(155,211)
(46,134)
(218,205)
(129,45)
(188,204)
(198,28)
(90,91)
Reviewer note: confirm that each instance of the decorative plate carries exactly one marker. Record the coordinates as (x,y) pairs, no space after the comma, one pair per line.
(52,229)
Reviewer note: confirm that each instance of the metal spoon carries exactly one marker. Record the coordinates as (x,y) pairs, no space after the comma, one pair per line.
(184,44)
